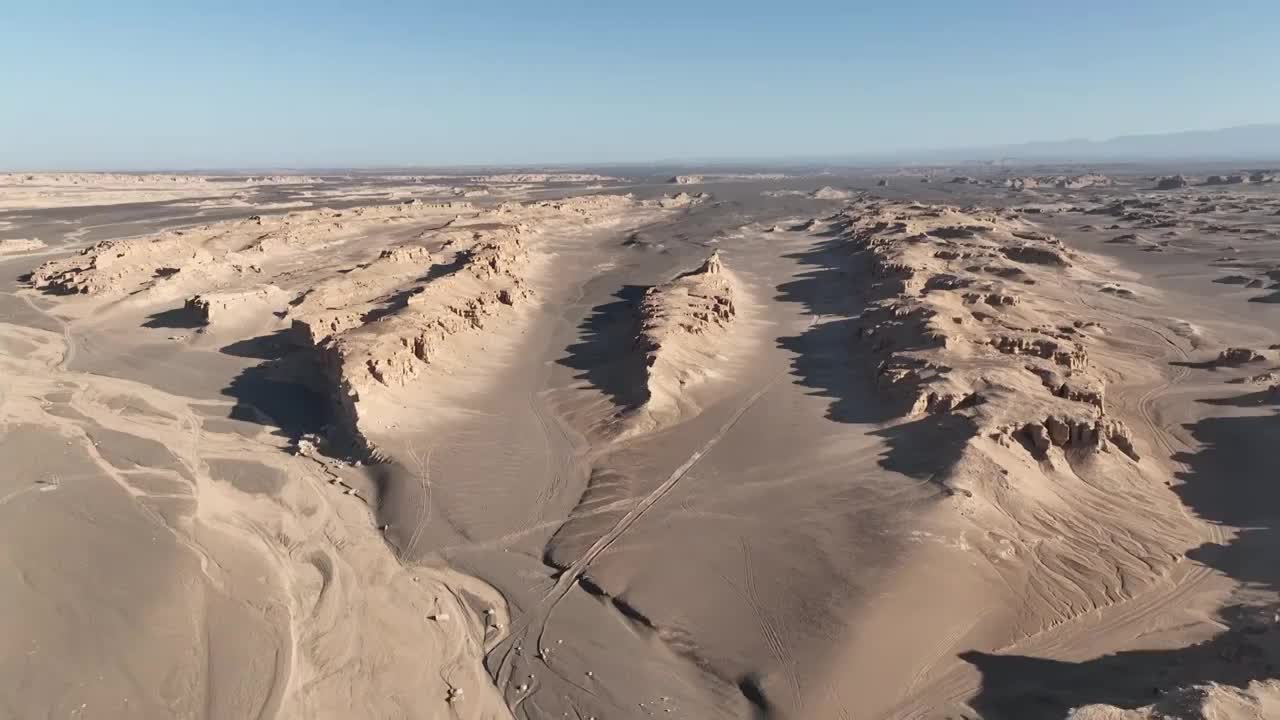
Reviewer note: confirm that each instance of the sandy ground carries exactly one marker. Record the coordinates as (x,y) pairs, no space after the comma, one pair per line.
(544,445)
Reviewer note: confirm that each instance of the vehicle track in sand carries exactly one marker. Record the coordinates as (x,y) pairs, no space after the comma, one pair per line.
(1158,433)
(538,616)
(772,638)
(1076,634)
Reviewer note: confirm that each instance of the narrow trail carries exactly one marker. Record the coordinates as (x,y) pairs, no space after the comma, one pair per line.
(538,616)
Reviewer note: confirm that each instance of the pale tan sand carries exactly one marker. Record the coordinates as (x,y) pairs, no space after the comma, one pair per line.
(498,451)
(333,624)
(46,190)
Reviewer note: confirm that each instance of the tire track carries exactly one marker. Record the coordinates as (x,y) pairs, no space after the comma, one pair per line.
(770,634)
(539,615)
(956,685)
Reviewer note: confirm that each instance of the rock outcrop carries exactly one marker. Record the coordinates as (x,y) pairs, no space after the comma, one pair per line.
(1172,182)
(1239,356)
(931,262)
(16,246)
(683,326)
(968,333)
(218,308)
(829,193)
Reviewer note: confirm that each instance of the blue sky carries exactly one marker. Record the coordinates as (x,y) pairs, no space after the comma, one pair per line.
(176,84)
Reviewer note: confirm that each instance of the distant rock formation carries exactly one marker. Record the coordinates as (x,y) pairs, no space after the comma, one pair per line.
(829,193)
(1226,179)
(1060,182)
(15,246)
(1172,182)
(543,178)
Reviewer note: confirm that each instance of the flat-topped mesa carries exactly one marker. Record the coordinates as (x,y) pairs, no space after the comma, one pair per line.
(217,308)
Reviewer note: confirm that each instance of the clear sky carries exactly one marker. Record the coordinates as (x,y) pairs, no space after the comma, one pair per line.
(223,83)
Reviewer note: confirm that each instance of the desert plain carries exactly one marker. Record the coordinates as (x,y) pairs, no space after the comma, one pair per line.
(993,442)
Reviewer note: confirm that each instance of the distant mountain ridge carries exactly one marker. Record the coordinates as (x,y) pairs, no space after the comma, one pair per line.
(1245,142)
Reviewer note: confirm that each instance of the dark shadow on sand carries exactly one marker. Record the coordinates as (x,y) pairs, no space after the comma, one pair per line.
(1273,298)
(830,356)
(271,393)
(1029,688)
(264,347)
(177,318)
(1234,479)
(826,355)
(944,434)
(605,355)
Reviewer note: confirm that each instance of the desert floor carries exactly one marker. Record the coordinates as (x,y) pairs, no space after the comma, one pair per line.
(810,444)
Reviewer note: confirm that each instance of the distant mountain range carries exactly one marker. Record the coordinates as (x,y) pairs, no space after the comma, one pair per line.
(1245,143)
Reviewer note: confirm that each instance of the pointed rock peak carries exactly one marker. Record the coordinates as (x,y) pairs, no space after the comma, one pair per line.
(712,266)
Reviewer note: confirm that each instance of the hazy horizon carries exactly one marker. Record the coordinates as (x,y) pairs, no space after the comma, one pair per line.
(328,86)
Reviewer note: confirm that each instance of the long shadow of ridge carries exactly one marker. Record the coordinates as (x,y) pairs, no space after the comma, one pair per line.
(1234,479)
